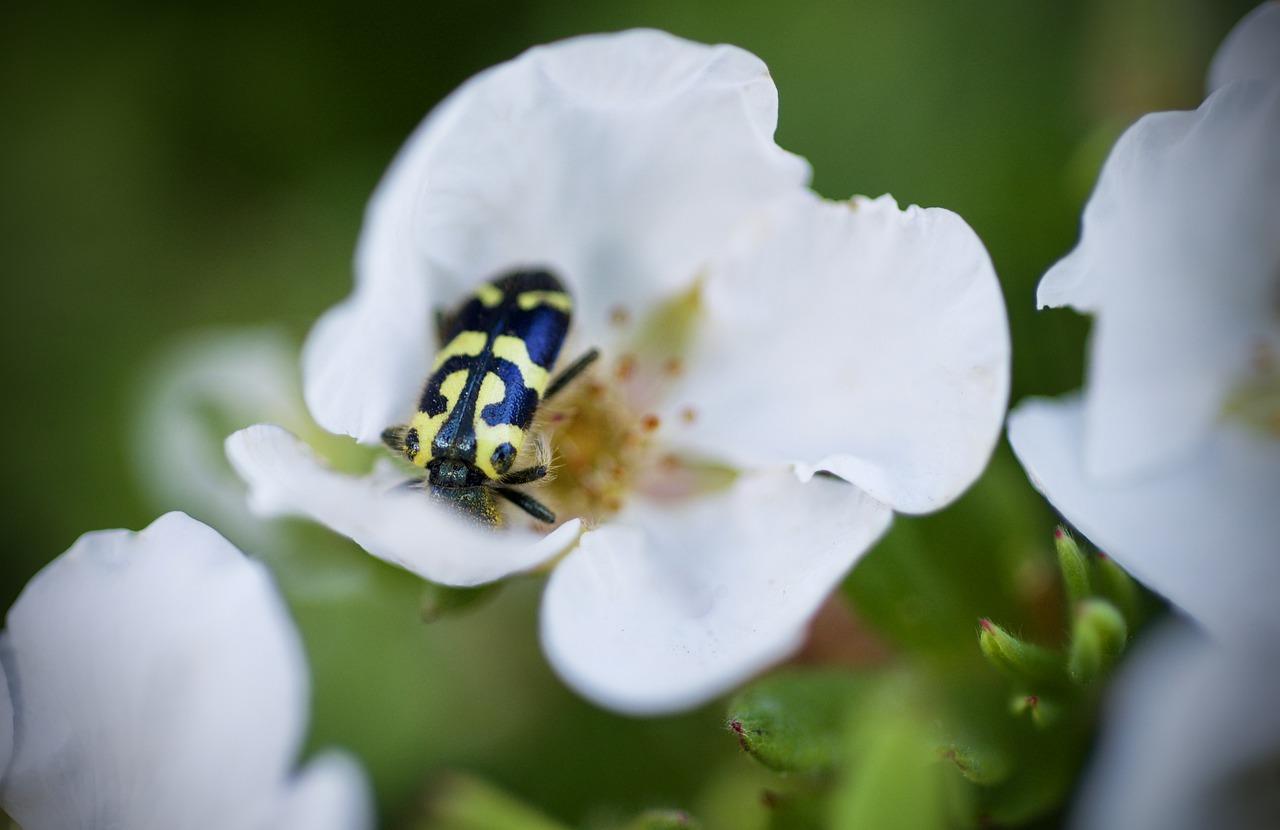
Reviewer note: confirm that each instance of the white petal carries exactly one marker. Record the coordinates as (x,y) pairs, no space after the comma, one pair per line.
(1190,739)
(1180,260)
(1251,50)
(1203,534)
(667,607)
(855,338)
(158,682)
(394,524)
(6,719)
(204,387)
(331,793)
(620,160)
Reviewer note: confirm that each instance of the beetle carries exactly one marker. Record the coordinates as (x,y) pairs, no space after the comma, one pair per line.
(486,384)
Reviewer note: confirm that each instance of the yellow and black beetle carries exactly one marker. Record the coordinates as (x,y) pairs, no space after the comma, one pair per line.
(484,388)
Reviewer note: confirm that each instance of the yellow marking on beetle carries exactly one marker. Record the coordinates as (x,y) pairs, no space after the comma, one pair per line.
(464,344)
(489,438)
(528,300)
(428,425)
(514,349)
(489,295)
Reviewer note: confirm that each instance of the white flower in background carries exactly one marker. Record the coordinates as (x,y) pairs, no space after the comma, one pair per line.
(1171,458)
(1170,461)
(793,336)
(1191,739)
(155,680)
(200,387)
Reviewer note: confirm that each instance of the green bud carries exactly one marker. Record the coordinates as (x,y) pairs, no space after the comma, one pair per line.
(1074,566)
(1020,659)
(1043,713)
(792,721)
(663,820)
(460,802)
(1118,587)
(1097,638)
(981,765)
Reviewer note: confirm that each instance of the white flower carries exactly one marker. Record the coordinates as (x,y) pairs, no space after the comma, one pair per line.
(156,681)
(200,385)
(1171,459)
(1191,739)
(854,337)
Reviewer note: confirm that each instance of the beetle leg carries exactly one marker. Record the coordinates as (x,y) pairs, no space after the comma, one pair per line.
(524,476)
(527,503)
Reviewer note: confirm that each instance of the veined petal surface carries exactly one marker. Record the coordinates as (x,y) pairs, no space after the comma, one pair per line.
(622,161)
(395,524)
(856,338)
(664,608)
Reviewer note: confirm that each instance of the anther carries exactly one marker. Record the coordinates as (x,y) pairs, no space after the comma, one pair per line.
(650,422)
(619,316)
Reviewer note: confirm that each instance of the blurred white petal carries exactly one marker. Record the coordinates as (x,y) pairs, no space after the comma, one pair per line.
(158,682)
(6,719)
(330,793)
(1180,261)
(393,523)
(622,160)
(663,609)
(1190,739)
(1250,51)
(1203,534)
(203,388)
(856,338)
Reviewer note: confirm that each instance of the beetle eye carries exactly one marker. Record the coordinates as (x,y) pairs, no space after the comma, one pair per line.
(502,457)
(411,443)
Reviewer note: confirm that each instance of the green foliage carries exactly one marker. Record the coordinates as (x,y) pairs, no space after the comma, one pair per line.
(1023,660)
(1097,638)
(794,721)
(1073,565)
(893,777)
(461,802)
(663,820)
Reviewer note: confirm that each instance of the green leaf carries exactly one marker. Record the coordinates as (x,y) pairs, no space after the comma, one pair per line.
(793,721)
(893,777)
(663,820)
(461,802)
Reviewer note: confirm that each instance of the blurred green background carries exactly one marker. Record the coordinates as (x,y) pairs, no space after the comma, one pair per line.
(169,168)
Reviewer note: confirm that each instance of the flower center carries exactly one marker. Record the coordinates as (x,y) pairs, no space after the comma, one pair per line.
(607,440)
(1255,401)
